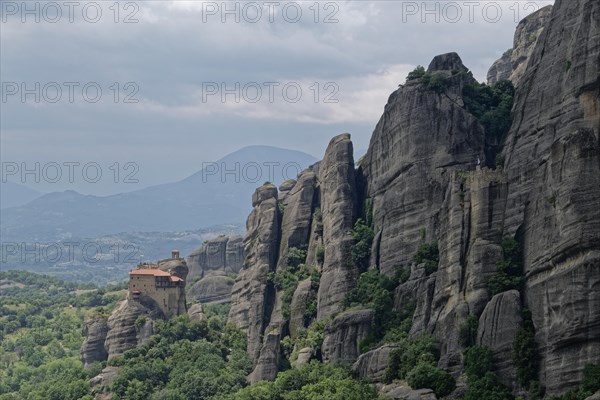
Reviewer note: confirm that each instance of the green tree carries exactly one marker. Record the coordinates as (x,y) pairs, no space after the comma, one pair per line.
(427,375)
(428,254)
(363,239)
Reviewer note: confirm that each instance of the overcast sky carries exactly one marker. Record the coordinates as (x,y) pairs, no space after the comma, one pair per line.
(175,57)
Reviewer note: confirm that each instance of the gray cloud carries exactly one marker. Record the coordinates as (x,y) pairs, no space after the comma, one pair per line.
(171,52)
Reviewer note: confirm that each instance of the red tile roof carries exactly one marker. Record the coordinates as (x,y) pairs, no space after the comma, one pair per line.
(155,272)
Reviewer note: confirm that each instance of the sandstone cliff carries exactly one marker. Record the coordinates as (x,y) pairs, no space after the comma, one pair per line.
(553,166)
(92,349)
(425,177)
(222,255)
(422,136)
(252,296)
(513,63)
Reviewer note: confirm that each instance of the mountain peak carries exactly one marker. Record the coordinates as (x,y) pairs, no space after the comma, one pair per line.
(446,62)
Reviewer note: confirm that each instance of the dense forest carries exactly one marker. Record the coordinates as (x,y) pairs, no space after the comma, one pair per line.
(42,320)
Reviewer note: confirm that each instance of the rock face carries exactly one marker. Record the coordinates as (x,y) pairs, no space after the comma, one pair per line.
(498,326)
(101,383)
(123,333)
(372,365)
(252,294)
(300,301)
(338,207)
(422,176)
(421,137)
(309,216)
(94,331)
(213,289)
(196,312)
(223,255)
(298,207)
(416,293)
(553,165)
(513,63)
(267,364)
(343,335)
(399,391)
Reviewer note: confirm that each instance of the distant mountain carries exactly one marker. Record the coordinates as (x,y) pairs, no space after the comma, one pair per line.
(14,195)
(218,193)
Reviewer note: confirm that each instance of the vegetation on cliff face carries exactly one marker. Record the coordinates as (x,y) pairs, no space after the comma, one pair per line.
(416,361)
(313,381)
(376,291)
(363,239)
(428,254)
(482,383)
(490,104)
(510,271)
(589,385)
(287,279)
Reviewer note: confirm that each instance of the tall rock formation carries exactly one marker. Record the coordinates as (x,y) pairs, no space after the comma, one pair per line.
(221,255)
(422,136)
(306,216)
(213,267)
(123,331)
(553,165)
(425,177)
(252,294)
(513,63)
(498,327)
(338,207)
(94,332)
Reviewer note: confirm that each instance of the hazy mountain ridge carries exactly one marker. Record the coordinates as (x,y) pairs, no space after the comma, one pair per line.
(217,194)
(14,195)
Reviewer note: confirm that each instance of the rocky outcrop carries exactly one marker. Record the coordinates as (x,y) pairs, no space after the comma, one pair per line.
(553,166)
(176,266)
(213,289)
(513,63)
(498,327)
(338,208)
(422,136)
(341,343)
(267,365)
(101,383)
(196,312)
(252,294)
(298,207)
(222,255)
(123,332)
(300,301)
(416,294)
(304,356)
(372,365)
(285,188)
(94,331)
(469,248)
(422,176)
(401,391)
